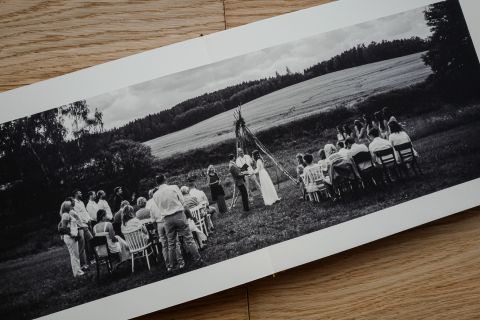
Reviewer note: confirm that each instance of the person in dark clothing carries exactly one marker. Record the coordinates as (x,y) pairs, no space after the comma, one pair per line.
(238,175)
(118,197)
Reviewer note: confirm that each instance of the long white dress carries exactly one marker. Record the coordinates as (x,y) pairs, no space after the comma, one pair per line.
(267,188)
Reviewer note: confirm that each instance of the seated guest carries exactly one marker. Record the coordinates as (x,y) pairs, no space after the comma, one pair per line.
(117,218)
(142,213)
(201,197)
(398,136)
(341,148)
(300,172)
(331,154)
(300,160)
(190,201)
(323,160)
(130,223)
(380,124)
(340,134)
(349,133)
(312,173)
(355,148)
(360,131)
(377,144)
(115,243)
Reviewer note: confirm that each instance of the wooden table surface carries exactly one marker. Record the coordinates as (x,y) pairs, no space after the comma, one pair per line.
(429,272)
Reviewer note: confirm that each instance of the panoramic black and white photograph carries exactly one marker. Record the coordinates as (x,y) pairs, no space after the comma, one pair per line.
(164,177)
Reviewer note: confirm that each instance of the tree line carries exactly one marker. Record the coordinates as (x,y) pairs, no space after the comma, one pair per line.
(195,110)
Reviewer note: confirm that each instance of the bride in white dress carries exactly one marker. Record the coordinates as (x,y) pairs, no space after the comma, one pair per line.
(267,188)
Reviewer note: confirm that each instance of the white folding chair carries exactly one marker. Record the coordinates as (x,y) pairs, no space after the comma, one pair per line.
(198,213)
(139,246)
(315,182)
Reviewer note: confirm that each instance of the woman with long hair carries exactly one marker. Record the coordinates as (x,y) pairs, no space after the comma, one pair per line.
(380,124)
(69,229)
(361,131)
(267,188)
(115,243)
(216,189)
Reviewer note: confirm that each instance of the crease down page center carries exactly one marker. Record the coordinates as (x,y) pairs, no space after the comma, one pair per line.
(163,177)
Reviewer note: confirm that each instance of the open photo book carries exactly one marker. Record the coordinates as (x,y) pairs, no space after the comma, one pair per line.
(169,175)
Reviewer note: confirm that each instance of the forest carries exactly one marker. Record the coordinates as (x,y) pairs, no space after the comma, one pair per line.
(45,156)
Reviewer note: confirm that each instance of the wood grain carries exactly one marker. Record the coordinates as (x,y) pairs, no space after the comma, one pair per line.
(239,12)
(429,272)
(44,39)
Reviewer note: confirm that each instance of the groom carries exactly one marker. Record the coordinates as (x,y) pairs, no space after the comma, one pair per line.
(245,162)
(239,177)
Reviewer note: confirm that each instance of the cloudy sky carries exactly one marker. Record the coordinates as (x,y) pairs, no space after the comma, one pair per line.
(124,105)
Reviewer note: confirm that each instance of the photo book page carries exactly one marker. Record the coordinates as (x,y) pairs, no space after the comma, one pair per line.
(169,175)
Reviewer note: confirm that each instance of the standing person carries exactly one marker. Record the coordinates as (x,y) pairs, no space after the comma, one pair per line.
(69,230)
(267,188)
(245,163)
(239,177)
(117,198)
(216,189)
(84,233)
(169,201)
(92,206)
(162,233)
(103,204)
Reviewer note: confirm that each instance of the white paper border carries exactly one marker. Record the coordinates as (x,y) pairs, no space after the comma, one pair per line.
(219,46)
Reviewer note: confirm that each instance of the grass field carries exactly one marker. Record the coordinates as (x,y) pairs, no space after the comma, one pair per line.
(449,154)
(342,87)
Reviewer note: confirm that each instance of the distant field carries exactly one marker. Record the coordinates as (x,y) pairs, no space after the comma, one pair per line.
(300,100)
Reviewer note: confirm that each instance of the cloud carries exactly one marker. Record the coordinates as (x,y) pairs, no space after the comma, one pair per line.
(139,100)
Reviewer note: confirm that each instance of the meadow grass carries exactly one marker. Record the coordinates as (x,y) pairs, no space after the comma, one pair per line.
(449,151)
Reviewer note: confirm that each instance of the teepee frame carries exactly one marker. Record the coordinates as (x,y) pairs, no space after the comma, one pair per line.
(243,135)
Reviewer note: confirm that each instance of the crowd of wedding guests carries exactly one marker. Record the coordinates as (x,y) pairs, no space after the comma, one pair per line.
(168,206)
(369,134)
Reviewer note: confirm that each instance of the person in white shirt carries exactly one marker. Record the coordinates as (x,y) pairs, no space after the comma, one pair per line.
(377,144)
(245,163)
(92,206)
(162,233)
(103,204)
(169,201)
(354,149)
(201,197)
(341,148)
(398,136)
(84,233)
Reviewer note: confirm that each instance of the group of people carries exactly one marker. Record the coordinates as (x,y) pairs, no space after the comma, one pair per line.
(370,135)
(245,176)
(167,205)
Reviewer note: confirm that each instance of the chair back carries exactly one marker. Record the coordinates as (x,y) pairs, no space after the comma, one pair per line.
(363,157)
(386,156)
(405,151)
(197,212)
(136,240)
(99,245)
